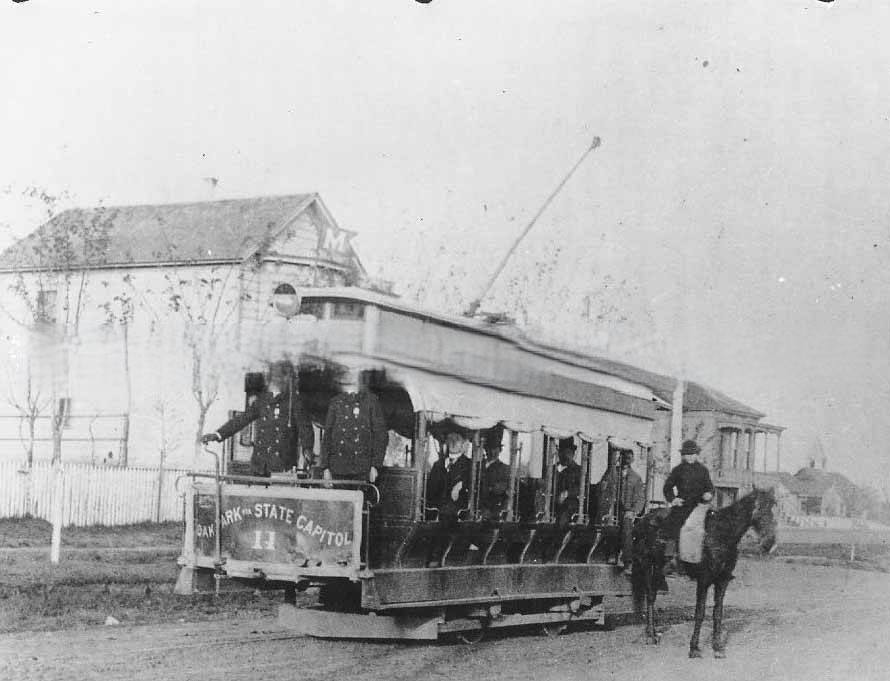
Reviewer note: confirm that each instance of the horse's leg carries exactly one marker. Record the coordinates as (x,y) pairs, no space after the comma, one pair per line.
(717,640)
(701,599)
(651,594)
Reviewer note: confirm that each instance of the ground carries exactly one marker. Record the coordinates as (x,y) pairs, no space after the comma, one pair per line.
(787,619)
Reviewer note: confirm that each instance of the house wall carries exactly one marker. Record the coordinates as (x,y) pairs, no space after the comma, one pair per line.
(832,503)
(190,327)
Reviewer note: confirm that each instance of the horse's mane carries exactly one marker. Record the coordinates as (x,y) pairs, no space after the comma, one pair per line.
(744,505)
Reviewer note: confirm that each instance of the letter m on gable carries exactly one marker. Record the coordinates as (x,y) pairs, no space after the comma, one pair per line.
(334,240)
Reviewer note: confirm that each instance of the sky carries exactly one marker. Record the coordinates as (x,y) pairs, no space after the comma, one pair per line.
(733,227)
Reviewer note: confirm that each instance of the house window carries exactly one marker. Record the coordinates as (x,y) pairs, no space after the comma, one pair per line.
(312,307)
(349,311)
(46,306)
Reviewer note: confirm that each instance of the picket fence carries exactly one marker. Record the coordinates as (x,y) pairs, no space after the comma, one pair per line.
(91,495)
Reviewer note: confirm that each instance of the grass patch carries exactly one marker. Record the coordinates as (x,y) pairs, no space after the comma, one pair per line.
(34,532)
(131,586)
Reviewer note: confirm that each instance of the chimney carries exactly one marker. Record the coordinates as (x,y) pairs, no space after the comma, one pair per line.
(812,462)
(824,463)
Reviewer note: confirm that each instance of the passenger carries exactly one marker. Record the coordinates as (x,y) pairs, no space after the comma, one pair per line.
(686,487)
(624,481)
(452,490)
(355,434)
(283,429)
(437,480)
(457,476)
(495,478)
(568,482)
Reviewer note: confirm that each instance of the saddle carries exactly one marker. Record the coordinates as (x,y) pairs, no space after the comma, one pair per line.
(692,535)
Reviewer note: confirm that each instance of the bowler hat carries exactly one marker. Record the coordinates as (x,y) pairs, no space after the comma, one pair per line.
(567,443)
(689,448)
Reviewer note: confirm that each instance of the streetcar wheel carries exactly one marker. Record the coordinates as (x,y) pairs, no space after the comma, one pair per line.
(471,636)
(553,628)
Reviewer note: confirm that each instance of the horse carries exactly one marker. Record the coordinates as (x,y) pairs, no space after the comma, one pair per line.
(723,531)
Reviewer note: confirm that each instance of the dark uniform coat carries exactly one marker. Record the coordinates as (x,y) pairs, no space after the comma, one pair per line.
(435,484)
(493,489)
(282,429)
(459,470)
(355,436)
(691,480)
(567,480)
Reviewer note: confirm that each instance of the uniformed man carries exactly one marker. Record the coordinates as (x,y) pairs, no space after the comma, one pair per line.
(355,434)
(631,498)
(688,485)
(568,482)
(283,430)
(495,477)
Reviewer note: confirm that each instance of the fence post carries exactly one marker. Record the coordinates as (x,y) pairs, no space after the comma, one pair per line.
(160,493)
(58,503)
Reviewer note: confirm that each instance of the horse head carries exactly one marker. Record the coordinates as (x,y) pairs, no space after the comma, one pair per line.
(763,518)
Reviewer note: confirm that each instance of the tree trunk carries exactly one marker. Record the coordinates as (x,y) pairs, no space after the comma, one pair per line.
(125,427)
(202,417)
(29,450)
(57,420)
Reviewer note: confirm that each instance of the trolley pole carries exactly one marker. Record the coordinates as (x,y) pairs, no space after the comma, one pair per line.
(474,306)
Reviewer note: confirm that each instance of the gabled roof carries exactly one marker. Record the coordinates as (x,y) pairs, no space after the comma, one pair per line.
(210,231)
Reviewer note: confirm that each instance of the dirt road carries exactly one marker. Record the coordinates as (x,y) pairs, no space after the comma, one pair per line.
(785,621)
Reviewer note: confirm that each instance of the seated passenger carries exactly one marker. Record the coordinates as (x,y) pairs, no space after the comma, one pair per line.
(458,471)
(568,482)
(495,478)
(622,493)
(436,480)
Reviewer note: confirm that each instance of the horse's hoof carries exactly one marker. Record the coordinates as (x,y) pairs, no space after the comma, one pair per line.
(694,653)
(719,654)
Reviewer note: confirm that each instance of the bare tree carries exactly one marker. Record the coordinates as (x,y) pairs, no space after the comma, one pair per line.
(50,276)
(30,404)
(119,313)
(206,302)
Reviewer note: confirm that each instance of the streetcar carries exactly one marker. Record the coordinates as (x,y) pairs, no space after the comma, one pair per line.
(386,558)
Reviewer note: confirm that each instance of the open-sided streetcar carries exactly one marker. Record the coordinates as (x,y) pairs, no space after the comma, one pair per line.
(412,554)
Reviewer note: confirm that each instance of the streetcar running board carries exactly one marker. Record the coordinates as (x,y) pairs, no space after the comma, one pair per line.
(328,624)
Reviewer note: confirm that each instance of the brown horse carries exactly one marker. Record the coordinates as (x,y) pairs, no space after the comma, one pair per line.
(723,531)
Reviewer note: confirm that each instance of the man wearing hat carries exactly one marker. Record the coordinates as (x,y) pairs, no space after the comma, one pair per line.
(283,430)
(495,477)
(688,485)
(568,482)
(623,481)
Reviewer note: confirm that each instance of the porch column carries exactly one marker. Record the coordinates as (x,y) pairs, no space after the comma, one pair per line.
(778,450)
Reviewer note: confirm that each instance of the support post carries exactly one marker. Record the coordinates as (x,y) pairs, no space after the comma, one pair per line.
(677,422)
(58,513)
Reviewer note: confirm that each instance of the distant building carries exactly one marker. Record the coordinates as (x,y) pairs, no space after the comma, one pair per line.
(735,442)
(129,319)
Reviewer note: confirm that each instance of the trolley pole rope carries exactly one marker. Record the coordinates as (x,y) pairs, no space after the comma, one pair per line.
(474,306)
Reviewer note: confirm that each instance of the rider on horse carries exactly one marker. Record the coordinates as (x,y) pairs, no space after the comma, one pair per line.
(686,487)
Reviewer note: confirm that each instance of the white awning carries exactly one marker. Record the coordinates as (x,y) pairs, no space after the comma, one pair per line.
(446,395)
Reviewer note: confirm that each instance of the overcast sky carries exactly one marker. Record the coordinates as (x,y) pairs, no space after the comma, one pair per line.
(737,208)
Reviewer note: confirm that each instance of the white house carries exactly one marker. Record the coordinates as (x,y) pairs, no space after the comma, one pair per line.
(132,326)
